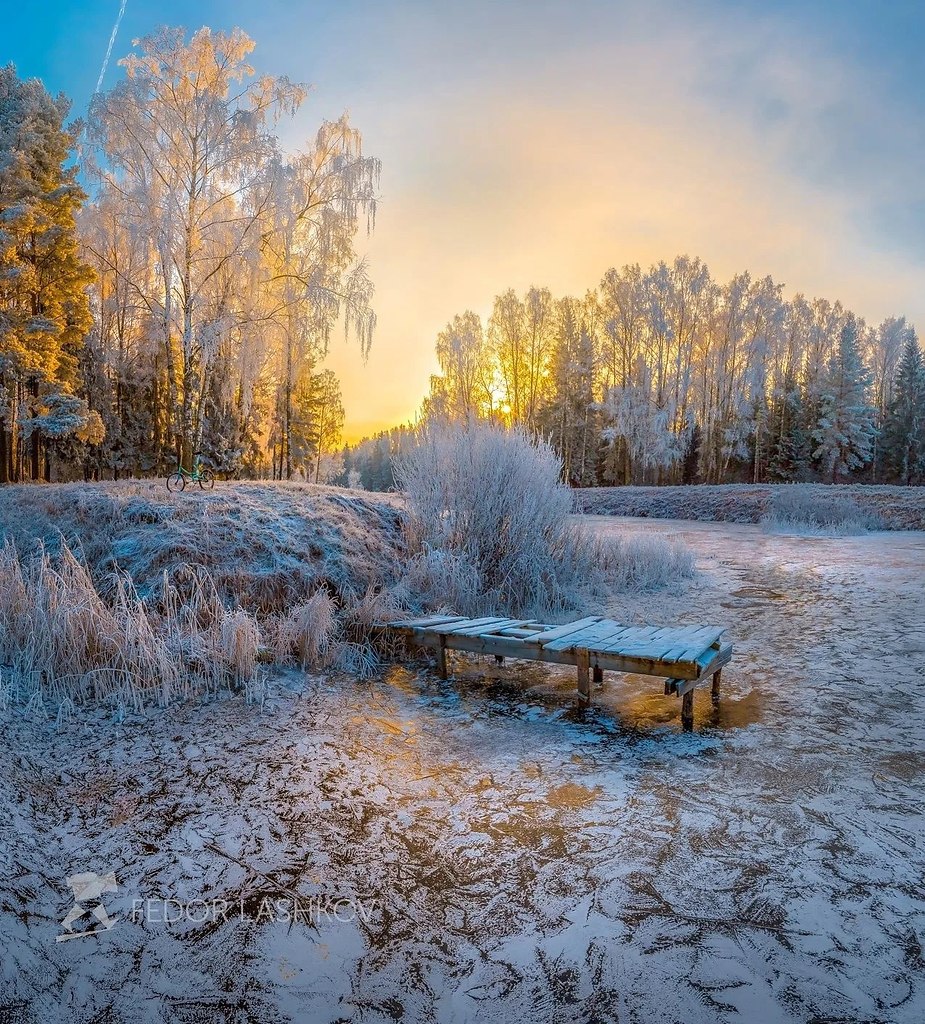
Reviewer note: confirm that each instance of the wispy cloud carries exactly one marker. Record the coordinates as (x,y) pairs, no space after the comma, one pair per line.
(542,143)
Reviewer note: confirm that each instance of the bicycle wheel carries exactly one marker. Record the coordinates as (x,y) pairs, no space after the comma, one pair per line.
(176,482)
(206,479)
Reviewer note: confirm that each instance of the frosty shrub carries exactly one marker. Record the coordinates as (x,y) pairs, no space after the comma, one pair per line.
(491,531)
(63,642)
(817,511)
(307,632)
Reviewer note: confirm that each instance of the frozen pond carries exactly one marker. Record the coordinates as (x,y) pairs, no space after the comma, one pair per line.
(480,850)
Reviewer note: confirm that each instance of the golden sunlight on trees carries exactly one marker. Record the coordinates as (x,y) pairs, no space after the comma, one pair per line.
(667,376)
(223,263)
(44,313)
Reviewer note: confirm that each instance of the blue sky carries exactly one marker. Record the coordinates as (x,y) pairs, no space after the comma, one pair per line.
(541,142)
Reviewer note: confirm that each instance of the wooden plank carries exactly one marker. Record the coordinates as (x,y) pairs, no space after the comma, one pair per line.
(632,636)
(591,637)
(430,620)
(564,630)
(470,630)
(642,642)
(470,624)
(711,661)
(521,633)
(691,645)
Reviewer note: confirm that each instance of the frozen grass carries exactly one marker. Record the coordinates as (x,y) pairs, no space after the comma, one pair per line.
(804,509)
(897,508)
(490,531)
(127,595)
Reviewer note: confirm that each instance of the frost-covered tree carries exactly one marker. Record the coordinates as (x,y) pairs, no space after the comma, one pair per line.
(190,154)
(638,435)
(314,275)
(786,443)
(465,389)
(44,312)
(317,422)
(846,427)
(569,417)
(904,428)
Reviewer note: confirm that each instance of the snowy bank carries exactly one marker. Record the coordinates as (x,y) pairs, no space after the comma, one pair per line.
(895,508)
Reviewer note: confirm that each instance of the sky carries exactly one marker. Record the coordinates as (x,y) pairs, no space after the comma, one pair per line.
(531,142)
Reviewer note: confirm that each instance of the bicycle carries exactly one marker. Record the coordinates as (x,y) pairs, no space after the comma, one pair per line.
(200,475)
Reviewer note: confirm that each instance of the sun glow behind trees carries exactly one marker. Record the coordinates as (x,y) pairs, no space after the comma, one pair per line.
(667,376)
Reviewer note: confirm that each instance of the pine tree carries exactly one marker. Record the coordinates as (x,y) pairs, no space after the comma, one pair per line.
(904,429)
(846,427)
(42,277)
(787,440)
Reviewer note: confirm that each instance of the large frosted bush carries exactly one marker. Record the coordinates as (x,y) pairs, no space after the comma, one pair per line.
(490,528)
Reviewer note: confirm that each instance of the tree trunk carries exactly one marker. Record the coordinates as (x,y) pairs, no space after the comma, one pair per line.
(4,442)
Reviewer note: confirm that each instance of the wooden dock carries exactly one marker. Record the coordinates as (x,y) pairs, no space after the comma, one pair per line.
(683,655)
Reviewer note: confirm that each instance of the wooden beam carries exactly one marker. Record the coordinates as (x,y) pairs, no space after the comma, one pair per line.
(687,710)
(583,661)
(714,689)
(598,674)
(441,658)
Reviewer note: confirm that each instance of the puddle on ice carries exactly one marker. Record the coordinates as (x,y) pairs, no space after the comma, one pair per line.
(519,857)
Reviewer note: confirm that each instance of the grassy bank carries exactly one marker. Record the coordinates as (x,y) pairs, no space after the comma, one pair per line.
(883,507)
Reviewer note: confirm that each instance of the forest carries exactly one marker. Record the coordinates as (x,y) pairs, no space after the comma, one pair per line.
(171,278)
(173,290)
(666,376)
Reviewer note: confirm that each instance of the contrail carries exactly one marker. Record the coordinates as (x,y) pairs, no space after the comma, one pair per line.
(112,39)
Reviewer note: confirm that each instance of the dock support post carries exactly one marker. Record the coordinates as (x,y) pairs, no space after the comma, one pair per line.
(584,680)
(687,710)
(714,691)
(441,658)
(598,674)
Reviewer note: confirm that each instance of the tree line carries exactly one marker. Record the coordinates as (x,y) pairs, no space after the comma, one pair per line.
(176,295)
(665,375)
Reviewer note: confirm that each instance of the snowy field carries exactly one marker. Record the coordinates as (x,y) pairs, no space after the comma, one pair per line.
(896,508)
(480,850)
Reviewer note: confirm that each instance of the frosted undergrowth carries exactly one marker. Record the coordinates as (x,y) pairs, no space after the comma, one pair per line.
(817,512)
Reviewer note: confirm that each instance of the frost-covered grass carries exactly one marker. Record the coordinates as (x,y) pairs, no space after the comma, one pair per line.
(897,508)
(128,595)
(490,529)
(815,511)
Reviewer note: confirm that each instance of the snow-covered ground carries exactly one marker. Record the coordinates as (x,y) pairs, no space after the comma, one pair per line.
(480,850)
(896,508)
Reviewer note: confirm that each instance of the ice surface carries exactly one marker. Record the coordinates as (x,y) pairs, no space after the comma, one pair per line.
(521,860)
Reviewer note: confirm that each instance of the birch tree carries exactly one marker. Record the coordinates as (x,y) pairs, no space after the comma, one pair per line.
(190,152)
